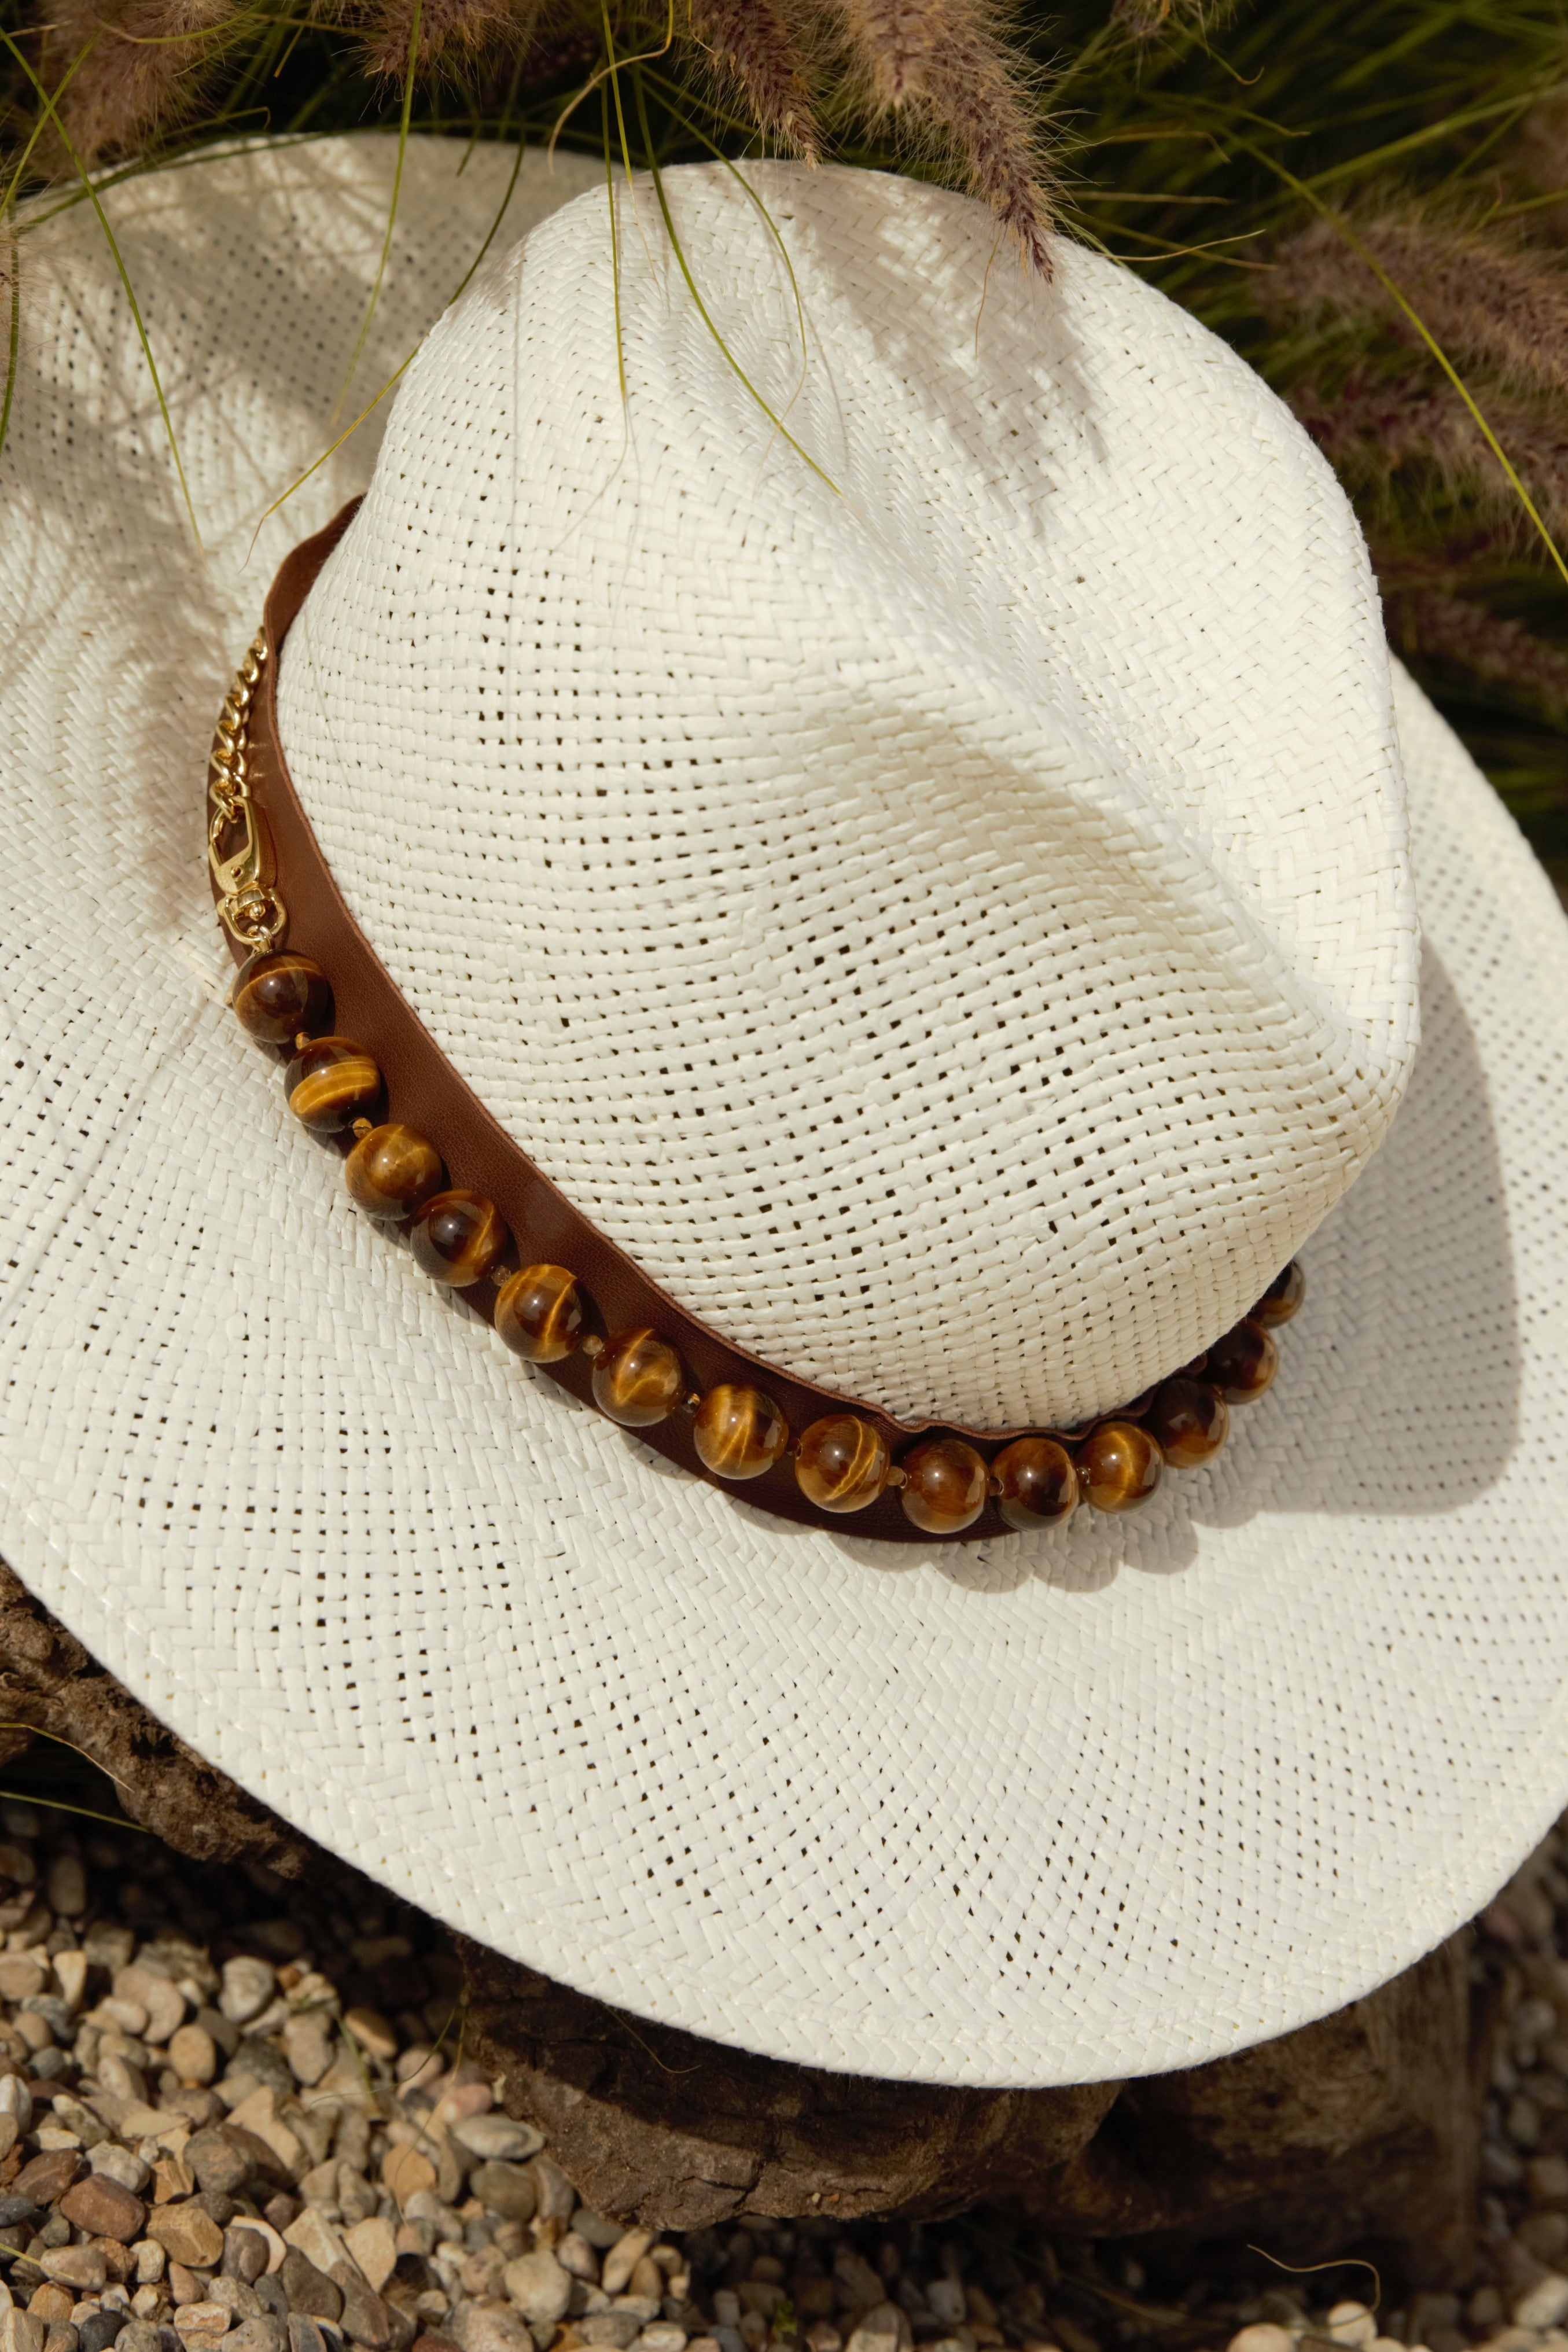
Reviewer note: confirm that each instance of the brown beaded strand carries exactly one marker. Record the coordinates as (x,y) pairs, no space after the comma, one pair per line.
(841,1464)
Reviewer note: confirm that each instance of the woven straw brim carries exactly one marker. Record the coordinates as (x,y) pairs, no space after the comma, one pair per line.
(1037,1813)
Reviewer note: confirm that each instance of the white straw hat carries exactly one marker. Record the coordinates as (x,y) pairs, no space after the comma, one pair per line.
(921,864)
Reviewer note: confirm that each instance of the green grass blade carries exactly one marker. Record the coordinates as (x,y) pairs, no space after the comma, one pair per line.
(679,252)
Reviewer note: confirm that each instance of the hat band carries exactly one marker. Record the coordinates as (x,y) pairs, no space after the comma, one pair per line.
(577,1306)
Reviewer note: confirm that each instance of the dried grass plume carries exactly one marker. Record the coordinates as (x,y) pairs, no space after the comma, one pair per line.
(943,70)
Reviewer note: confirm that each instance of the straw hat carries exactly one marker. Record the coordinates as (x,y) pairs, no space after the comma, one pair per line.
(902,823)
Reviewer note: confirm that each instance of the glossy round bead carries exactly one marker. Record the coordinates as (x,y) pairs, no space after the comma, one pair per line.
(1190,1421)
(278,993)
(945,1486)
(392,1171)
(1034,1483)
(841,1464)
(330,1084)
(739,1433)
(638,1379)
(458,1237)
(1243,1364)
(1119,1466)
(539,1313)
(1282,1298)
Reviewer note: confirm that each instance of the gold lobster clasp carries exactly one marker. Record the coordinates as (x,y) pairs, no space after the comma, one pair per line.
(242,872)
(247,905)
(248,867)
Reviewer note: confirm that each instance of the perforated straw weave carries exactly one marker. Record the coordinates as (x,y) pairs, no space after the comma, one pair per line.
(1033,1811)
(942,907)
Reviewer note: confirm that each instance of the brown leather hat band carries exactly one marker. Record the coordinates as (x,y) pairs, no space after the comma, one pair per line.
(425,1092)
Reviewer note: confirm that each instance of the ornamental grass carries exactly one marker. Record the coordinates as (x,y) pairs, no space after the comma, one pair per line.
(1368,198)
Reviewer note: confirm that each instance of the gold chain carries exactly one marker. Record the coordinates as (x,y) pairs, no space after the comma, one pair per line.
(247,905)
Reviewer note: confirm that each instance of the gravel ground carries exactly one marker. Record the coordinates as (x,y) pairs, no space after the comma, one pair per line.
(236,2116)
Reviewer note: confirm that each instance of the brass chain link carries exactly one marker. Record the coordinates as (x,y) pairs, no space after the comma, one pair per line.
(247,905)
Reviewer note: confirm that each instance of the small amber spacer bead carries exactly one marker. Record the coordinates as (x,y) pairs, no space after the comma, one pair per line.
(739,1433)
(1119,1466)
(456,1238)
(638,1379)
(1191,1420)
(392,1171)
(945,1486)
(330,1083)
(1243,1364)
(278,994)
(1034,1483)
(1282,1299)
(842,1462)
(539,1313)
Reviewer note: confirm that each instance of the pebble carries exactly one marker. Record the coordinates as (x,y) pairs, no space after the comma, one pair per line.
(104,2209)
(1543,2304)
(539,2287)
(186,2232)
(309,2046)
(488,2136)
(486,2327)
(267,2333)
(622,2259)
(111,2162)
(506,2189)
(373,2243)
(619,2328)
(248,1986)
(884,2328)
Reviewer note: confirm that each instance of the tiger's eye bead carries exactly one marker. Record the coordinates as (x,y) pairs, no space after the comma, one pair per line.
(330,1084)
(945,1486)
(1034,1483)
(458,1237)
(1119,1466)
(392,1171)
(1190,1421)
(1243,1364)
(278,993)
(738,1433)
(1282,1298)
(638,1379)
(841,1464)
(539,1313)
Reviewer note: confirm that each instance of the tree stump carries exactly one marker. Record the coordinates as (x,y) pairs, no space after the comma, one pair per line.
(1359,2133)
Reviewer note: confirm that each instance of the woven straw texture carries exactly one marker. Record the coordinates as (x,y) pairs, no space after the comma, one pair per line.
(1034,1811)
(944,912)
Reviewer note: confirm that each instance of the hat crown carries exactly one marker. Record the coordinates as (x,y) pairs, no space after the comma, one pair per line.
(901,821)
